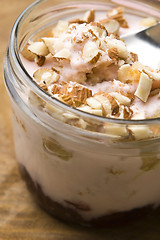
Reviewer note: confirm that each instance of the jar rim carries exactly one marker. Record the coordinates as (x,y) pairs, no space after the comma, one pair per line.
(44,95)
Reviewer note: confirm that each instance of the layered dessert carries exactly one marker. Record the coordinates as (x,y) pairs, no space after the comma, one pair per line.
(89,171)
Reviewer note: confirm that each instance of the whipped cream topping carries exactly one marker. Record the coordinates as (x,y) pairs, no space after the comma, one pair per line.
(92,54)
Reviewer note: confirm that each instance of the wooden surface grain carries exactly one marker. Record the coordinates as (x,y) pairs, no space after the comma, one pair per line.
(20,217)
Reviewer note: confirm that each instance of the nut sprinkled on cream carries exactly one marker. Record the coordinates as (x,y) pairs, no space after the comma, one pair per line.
(91,68)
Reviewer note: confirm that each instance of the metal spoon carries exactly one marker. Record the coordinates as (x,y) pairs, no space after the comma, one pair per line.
(146,44)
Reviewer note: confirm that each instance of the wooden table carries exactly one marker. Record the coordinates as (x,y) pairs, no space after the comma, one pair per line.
(20,217)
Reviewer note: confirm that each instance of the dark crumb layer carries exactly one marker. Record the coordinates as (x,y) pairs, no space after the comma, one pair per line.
(70,215)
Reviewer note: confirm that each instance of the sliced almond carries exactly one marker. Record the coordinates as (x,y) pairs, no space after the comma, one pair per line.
(91,52)
(60,28)
(99,29)
(106,104)
(65,53)
(69,115)
(27,53)
(127,73)
(82,124)
(140,132)
(144,87)
(148,22)
(38,48)
(46,75)
(121,98)
(112,26)
(153,75)
(116,130)
(120,45)
(49,42)
(89,16)
(88,109)
(93,103)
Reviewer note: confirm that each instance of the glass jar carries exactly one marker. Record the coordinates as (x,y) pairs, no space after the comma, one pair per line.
(80,167)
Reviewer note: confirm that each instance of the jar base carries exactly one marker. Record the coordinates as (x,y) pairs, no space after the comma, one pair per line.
(70,215)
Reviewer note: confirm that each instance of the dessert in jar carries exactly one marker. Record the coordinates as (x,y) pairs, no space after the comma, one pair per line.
(85,111)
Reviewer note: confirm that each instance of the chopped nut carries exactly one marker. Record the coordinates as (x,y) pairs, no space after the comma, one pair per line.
(77,92)
(99,28)
(69,115)
(112,13)
(106,105)
(125,112)
(114,104)
(89,16)
(64,54)
(134,57)
(38,48)
(91,52)
(27,53)
(49,42)
(111,25)
(144,87)
(120,45)
(116,130)
(43,86)
(127,73)
(67,99)
(148,22)
(153,75)
(94,36)
(117,14)
(46,75)
(60,28)
(88,109)
(140,132)
(40,60)
(93,103)
(82,124)
(56,89)
(121,98)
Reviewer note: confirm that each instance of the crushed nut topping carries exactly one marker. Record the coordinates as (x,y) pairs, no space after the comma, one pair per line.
(84,63)
(117,14)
